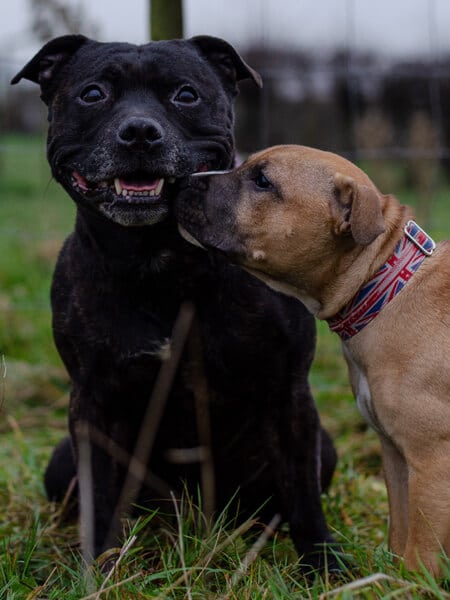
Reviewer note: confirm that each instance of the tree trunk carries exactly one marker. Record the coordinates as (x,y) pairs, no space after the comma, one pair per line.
(166,19)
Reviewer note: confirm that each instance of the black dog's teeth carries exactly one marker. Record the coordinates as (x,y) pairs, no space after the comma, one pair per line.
(116,186)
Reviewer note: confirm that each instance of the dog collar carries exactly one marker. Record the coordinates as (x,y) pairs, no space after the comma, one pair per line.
(387,282)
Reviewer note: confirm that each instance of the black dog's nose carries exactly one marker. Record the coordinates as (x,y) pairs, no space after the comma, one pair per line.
(140,132)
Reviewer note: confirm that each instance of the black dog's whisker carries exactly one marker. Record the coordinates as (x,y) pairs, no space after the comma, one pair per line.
(208,173)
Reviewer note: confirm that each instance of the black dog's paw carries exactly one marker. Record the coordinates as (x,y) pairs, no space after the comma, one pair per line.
(60,477)
(325,559)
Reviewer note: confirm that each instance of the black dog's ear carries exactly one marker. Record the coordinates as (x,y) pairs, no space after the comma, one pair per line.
(225,59)
(42,67)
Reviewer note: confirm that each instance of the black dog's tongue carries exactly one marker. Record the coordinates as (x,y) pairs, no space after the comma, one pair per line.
(138,184)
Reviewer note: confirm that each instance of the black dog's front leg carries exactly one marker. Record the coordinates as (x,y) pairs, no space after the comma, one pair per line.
(299,446)
(101,440)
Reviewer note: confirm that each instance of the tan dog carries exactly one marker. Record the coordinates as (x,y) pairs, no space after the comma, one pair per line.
(314,226)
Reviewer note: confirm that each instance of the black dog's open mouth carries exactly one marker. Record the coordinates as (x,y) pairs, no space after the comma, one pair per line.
(135,188)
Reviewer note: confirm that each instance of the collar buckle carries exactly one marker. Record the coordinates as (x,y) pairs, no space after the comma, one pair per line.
(419,238)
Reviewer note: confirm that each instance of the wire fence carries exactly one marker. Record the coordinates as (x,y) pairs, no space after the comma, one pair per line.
(368,106)
(366,88)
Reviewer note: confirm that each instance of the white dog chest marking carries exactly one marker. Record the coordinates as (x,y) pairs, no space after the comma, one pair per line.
(364,400)
(361,390)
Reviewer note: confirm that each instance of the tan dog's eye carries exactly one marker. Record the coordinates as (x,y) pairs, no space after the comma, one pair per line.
(261,181)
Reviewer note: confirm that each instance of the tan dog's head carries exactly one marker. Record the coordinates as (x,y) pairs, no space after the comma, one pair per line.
(290,215)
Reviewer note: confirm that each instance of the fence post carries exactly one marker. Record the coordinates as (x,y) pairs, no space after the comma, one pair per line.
(166,19)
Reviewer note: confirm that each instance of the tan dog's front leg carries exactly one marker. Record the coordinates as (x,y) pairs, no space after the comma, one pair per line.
(396,475)
(429,510)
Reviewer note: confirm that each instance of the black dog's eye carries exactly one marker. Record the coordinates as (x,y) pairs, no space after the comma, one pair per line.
(92,93)
(261,181)
(186,95)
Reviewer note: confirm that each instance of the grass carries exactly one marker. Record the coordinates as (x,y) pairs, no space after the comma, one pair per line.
(40,557)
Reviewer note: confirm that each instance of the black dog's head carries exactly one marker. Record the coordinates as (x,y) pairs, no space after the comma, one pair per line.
(126,121)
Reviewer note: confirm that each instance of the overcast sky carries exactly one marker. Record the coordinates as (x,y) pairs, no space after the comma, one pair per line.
(398,27)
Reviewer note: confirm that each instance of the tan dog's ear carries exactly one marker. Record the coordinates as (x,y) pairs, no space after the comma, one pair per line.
(359,210)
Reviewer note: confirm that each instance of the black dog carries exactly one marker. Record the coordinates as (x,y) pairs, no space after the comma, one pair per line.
(125,124)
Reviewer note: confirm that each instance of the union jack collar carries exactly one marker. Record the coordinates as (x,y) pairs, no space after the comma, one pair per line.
(387,282)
